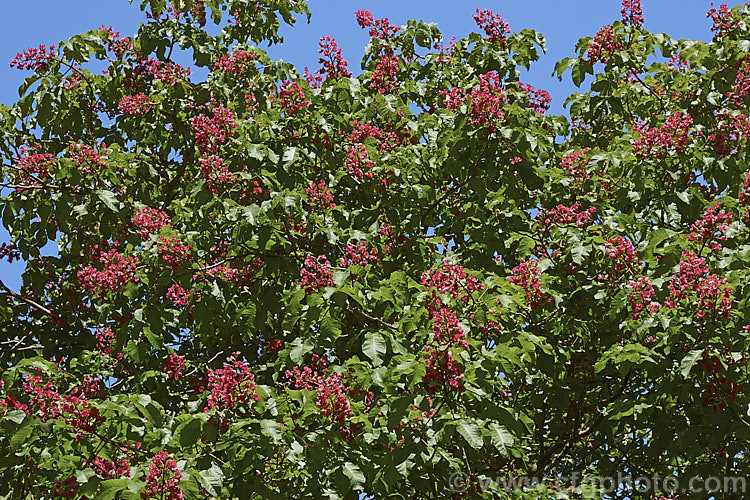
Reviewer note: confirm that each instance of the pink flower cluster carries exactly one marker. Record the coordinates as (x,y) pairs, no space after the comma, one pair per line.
(731,128)
(315,274)
(179,296)
(492,24)
(693,279)
(657,142)
(632,12)
(88,159)
(358,162)
(319,195)
(66,489)
(384,77)
(215,172)
(105,337)
(330,388)
(453,282)
(236,62)
(117,271)
(34,59)
(111,470)
(240,272)
(622,253)
(486,101)
(358,255)
(168,73)
(641,297)
(149,221)
(539,99)
(380,28)
(527,275)
(443,372)
(136,104)
(744,196)
(212,130)
(562,215)
(9,253)
(74,409)
(334,64)
(720,390)
(34,166)
(292,97)
(741,88)
(603,45)
(575,164)
(387,140)
(163,478)
(173,252)
(118,46)
(723,20)
(677,62)
(710,228)
(231,385)
(174,365)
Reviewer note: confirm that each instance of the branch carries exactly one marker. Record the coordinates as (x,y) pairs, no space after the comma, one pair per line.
(23,299)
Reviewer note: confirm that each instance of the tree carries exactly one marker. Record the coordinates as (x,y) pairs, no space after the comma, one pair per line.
(409,283)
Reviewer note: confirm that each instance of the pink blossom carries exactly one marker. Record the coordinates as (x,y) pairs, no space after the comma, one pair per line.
(632,12)
(641,297)
(710,227)
(236,62)
(173,252)
(315,274)
(212,130)
(539,100)
(231,385)
(34,59)
(137,104)
(111,470)
(319,195)
(88,159)
(162,480)
(527,275)
(334,64)
(603,45)
(492,24)
(358,255)
(292,97)
(179,296)
(358,161)
(658,142)
(443,372)
(175,365)
(116,271)
(149,221)
(168,72)
(330,388)
(563,215)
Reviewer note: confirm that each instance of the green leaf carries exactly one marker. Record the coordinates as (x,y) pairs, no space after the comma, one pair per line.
(690,360)
(501,438)
(374,348)
(111,487)
(212,478)
(355,475)
(300,349)
(110,200)
(271,429)
(189,432)
(471,433)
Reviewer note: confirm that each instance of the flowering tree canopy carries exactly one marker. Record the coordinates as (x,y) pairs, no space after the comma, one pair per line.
(317,284)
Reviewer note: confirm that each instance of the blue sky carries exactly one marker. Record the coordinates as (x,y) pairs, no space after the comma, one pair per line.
(30,22)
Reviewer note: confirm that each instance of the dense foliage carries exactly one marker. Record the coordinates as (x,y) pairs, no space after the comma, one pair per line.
(326,285)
